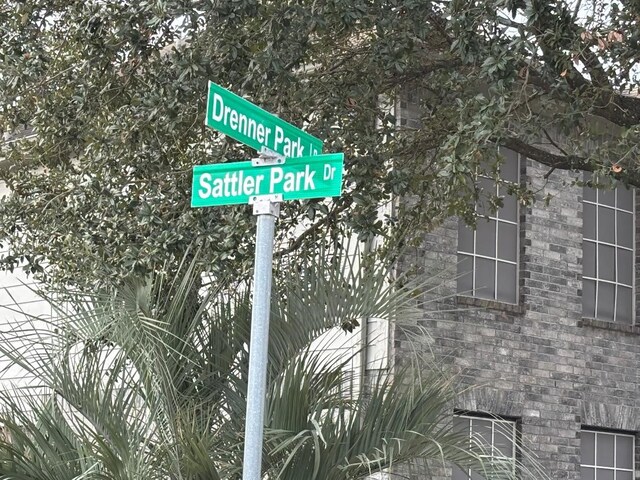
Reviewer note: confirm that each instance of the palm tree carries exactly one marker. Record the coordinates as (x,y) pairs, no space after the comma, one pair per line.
(145,384)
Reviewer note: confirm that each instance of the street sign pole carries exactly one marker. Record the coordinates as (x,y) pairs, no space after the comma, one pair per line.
(267,209)
(264,182)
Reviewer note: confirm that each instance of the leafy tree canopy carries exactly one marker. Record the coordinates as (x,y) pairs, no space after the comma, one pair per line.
(115,93)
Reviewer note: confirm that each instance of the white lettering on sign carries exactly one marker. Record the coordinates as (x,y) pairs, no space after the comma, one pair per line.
(290,148)
(249,182)
(240,182)
(329,172)
(231,185)
(291,181)
(238,121)
(249,127)
(205,186)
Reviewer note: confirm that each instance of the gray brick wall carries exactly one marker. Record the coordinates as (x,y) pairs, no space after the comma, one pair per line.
(539,361)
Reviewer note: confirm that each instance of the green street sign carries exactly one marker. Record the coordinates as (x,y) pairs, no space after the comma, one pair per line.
(239,182)
(240,119)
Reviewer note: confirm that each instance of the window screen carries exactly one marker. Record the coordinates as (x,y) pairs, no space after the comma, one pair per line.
(488,255)
(608,254)
(498,438)
(606,455)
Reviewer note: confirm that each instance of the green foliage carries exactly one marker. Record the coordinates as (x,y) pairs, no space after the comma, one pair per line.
(143,385)
(115,93)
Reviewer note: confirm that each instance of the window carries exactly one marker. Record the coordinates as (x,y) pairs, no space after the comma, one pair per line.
(498,436)
(608,254)
(488,255)
(606,455)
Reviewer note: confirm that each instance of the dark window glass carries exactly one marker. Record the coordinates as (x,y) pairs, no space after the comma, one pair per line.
(487,186)
(589,194)
(587,448)
(605,474)
(509,210)
(485,278)
(589,298)
(465,274)
(606,301)
(589,259)
(508,241)
(604,453)
(625,266)
(507,289)
(465,238)
(625,198)
(606,225)
(461,425)
(607,197)
(622,475)
(606,263)
(486,238)
(589,222)
(624,452)
(487,189)
(509,170)
(624,227)
(624,305)
(587,473)
(482,431)
(503,441)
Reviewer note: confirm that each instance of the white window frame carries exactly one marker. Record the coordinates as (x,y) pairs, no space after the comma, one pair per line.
(615,209)
(513,426)
(474,255)
(615,469)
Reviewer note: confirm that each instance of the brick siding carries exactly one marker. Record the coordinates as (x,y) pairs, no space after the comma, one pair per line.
(539,361)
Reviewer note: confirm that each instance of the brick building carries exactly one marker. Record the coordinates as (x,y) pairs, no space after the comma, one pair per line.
(543,324)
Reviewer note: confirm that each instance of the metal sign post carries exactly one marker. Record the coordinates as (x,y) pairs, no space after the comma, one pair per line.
(267,209)
(265,182)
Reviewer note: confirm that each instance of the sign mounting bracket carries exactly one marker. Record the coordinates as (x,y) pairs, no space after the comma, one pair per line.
(268,157)
(266,204)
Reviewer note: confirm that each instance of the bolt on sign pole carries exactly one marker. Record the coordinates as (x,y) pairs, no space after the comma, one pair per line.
(290,167)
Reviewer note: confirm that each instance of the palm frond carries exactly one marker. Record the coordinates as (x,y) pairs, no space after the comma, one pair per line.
(149,382)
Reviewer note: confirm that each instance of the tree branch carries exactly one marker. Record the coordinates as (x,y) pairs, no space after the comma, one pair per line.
(623,110)
(594,67)
(566,162)
(297,243)
(563,162)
